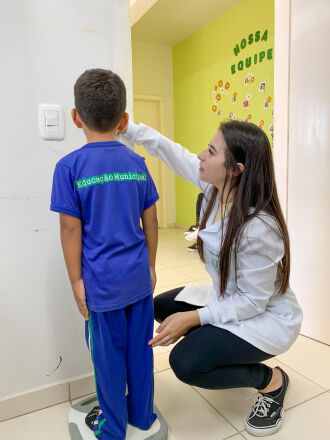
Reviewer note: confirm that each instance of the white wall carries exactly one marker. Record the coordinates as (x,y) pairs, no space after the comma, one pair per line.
(309,159)
(44,47)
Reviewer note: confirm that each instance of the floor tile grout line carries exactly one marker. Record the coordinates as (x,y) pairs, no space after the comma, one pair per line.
(210,404)
(305,401)
(161,371)
(300,374)
(315,340)
(231,436)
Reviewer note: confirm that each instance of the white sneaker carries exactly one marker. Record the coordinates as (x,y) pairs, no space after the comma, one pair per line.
(192,236)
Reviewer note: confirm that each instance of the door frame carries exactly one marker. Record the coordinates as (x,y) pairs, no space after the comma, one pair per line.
(282,36)
(163,217)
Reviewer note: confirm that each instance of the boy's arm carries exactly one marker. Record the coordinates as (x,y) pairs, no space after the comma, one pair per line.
(71,245)
(150,228)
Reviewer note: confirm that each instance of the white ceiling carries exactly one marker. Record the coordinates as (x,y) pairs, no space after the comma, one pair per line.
(170,21)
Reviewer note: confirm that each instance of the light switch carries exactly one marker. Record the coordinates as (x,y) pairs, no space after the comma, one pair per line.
(50,114)
(51,121)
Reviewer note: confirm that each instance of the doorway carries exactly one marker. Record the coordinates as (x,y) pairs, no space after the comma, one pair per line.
(149,110)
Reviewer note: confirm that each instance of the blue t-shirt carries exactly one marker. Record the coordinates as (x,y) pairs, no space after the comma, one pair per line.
(108,187)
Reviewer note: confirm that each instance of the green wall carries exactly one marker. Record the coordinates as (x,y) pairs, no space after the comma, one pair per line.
(216,53)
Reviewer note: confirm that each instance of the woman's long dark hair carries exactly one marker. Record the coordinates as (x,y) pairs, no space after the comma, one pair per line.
(254,188)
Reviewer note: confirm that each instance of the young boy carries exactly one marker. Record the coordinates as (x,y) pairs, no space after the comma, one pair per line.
(101,191)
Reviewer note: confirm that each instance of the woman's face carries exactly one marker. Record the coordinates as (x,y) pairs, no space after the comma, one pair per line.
(212,166)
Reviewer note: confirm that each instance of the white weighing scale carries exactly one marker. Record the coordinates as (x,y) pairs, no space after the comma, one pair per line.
(80,431)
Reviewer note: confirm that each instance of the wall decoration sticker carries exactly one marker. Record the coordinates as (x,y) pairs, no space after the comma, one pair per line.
(251,73)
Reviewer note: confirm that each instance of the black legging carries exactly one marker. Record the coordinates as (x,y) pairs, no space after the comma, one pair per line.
(211,357)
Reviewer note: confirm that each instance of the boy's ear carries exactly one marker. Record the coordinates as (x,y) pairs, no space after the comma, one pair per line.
(76,118)
(123,123)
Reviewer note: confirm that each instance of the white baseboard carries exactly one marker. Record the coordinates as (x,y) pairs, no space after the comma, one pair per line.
(33,401)
(49,396)
(82,387)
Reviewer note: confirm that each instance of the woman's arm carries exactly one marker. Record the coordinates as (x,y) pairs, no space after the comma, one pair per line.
(261,248)
(178,159)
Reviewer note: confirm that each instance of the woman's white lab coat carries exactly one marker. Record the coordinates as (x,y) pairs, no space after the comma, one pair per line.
(250,308)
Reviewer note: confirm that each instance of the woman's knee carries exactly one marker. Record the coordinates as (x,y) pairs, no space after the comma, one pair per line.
(184,370)
(165,304)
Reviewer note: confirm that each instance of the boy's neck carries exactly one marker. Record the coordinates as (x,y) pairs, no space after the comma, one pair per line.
(95,136)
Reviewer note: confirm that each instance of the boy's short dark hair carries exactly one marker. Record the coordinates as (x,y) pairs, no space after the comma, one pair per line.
(100,99)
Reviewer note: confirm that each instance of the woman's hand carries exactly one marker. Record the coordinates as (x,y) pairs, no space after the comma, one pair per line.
(175,326)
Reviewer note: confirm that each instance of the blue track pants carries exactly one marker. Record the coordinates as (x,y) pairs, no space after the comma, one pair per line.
(118,341)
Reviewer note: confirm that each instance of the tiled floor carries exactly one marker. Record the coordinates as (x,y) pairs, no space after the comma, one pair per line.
(197,414)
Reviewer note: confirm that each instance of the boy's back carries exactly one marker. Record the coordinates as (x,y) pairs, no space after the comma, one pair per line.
(108,187)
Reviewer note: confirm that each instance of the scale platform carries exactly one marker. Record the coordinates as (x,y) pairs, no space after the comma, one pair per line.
(80,431)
